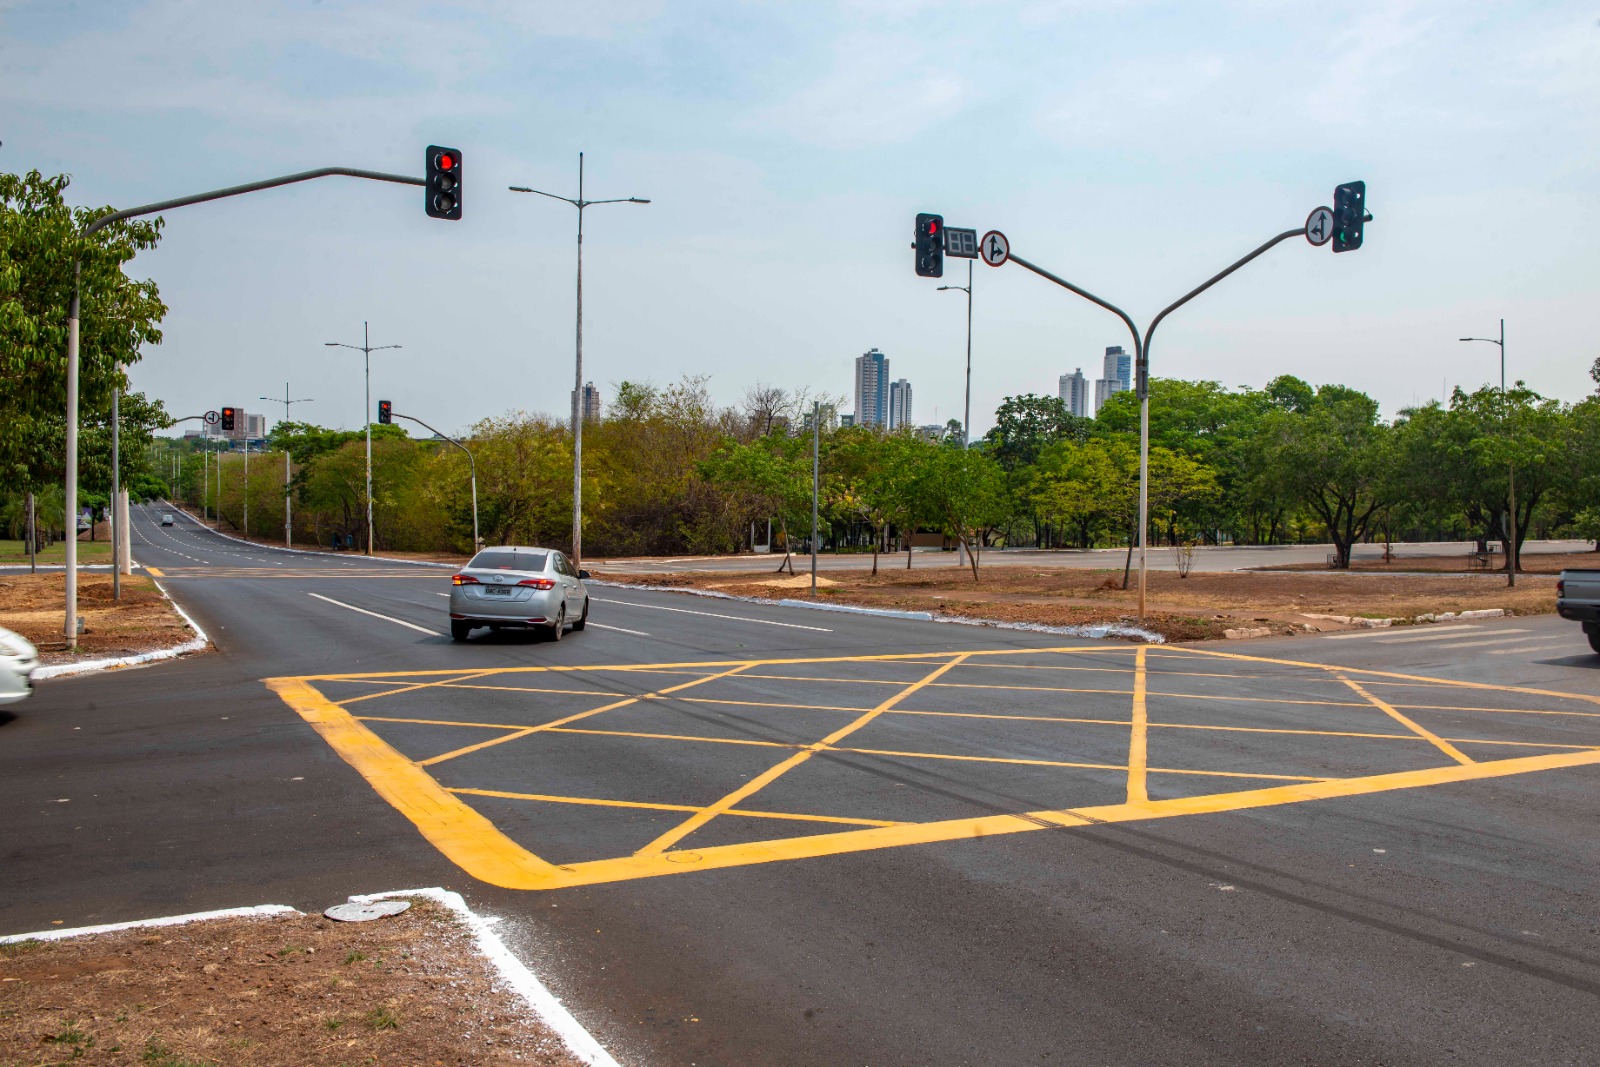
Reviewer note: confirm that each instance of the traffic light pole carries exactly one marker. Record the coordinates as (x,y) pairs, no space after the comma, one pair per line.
(75,307)
(477,542)
(288,530)
(1141,348)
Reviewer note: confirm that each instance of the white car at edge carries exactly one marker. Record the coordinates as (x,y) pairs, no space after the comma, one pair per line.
(18,660)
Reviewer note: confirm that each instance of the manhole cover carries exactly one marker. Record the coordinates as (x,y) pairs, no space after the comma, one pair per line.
(364,913)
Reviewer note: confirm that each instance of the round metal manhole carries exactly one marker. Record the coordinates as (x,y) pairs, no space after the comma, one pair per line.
(365,913)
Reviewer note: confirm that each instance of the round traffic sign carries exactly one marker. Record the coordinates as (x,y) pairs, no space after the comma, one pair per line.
(994,248)
(212,418)
(1319,226)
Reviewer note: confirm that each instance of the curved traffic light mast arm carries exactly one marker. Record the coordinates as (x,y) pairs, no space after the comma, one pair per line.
(473,466)
(1118,312)
(1213,280)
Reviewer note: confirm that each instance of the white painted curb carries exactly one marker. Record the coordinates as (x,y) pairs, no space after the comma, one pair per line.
(195,644)
(514,973)
(301,551)
(257,911)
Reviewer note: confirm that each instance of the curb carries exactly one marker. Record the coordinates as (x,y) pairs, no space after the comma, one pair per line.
(195,644)
(512,971)
(1093,630)
(301,551)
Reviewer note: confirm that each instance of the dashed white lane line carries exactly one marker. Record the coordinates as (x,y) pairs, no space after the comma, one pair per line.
(1491,641)
(1435,633)
(713,615)
(375,615)
(619,629)
(1575,649)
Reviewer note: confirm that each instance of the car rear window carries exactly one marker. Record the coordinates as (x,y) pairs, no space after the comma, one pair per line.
(509,559)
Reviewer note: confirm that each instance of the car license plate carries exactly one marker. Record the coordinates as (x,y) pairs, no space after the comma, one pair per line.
(497,590)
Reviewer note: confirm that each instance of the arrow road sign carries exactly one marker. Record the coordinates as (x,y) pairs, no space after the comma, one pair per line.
(212,418)
(995,249)
(1319,226)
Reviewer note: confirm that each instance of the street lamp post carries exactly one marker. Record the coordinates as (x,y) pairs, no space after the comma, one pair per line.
(288,530)
(472,464)
(577,388)
(366,349)
(966,412)
(1511,468)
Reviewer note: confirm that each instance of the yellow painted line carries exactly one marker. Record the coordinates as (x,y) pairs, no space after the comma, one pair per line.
(677,737)
(155,572)
(761,781)
(483,852)
(1137,749)
(1421,731)
(1019,761)
(771,704)
(525,731)
(791,816)
(466,838)
(413,687)
(1497,711)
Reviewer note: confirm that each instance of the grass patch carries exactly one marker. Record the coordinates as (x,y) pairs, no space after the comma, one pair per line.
(88,552)
(382,1018)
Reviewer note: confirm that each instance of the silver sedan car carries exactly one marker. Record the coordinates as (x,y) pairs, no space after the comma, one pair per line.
(516,586)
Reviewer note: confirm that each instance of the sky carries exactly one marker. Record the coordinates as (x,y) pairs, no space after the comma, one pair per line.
(1133,148)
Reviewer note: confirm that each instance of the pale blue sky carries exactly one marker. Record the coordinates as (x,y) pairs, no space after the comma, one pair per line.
(1132,147)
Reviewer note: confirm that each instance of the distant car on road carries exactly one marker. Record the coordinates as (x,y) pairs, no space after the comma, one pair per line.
(519,587)
(18,660)
(1578,599)
(166,518)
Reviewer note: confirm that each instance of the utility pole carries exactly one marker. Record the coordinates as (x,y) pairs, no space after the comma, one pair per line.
(577,387)
(966,414)
(288,529)
(1511,468)
(472,466)
(816,484)
(366,349)
(116,491)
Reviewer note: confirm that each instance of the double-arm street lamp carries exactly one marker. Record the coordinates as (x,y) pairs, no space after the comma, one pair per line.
(577,388)
(366,348)
(288,532)
(1511,469)
(477,542)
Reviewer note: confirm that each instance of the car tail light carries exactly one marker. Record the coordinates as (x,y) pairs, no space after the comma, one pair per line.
(1561,587)
(538,583)
(464,579)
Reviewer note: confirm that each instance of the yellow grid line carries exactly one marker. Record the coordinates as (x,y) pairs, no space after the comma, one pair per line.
(747,813)
(1421,731)
(711,811)
(1138,753)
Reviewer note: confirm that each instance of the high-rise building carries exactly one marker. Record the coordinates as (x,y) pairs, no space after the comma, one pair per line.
(831,418)
(1119,365)
(591,403)
(899,403)
(872,389)
(1075,393)
(846,421)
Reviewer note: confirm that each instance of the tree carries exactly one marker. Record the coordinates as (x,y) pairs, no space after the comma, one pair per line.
(872,477)
(1336,458)
(1594,373)
(965,491)
(39,243)
(1025,425)
(772,474)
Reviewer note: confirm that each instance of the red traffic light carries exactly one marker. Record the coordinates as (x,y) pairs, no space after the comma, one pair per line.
(446,161)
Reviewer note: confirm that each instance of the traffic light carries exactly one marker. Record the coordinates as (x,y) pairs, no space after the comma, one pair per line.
(1349,215)
(385,412)
(930,246)
(228,418)
(443,191)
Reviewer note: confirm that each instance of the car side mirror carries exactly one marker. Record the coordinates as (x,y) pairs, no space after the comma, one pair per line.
(582,575)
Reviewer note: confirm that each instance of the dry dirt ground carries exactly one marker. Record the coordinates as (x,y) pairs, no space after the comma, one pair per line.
(1198,607)
(144,620)
(287,990)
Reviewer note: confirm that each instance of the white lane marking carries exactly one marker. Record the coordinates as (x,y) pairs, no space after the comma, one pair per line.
(619,629)
(1491,641)
(1535,648)
(1386,632)
(1448,637)
(713,615)
(375,615)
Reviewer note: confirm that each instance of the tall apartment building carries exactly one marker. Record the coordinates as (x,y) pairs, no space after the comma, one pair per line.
(1075,393)
(1116,376)
(872,389)
(591,403)
(899,403)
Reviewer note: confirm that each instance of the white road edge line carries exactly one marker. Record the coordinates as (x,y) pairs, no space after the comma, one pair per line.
(1575,649)
(713,615)
(375,615)
(139,924)
(1387,632)
(1453,636)
(619,629)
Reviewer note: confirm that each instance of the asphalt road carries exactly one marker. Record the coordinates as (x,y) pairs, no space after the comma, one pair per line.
(730,833)
(1206,557)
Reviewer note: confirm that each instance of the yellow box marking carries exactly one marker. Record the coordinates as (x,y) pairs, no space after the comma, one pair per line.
(155,572)
(472,842)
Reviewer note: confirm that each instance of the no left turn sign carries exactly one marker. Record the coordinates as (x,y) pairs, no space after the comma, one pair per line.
(1319,226)
(994,248)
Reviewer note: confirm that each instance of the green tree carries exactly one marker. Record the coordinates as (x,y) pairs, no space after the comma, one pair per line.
(39,243)
(965,491)
(1337,459)
(771,476)
(1025,425)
